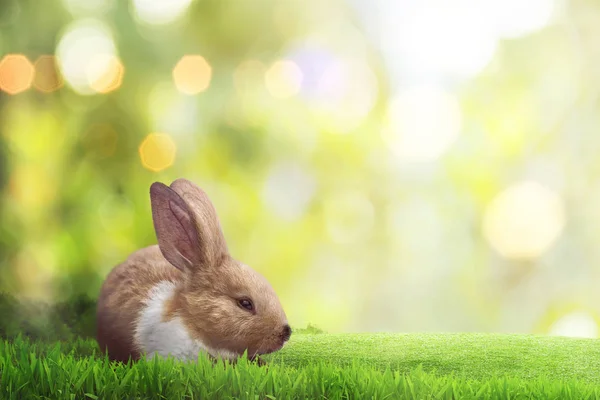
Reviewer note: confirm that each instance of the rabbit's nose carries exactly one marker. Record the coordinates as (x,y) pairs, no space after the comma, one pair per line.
(287,332)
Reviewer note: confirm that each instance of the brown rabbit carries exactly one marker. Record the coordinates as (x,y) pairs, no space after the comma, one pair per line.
(187,295)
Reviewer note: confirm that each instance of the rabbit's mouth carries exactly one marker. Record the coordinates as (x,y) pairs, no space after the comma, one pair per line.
(269,350)
(274,344)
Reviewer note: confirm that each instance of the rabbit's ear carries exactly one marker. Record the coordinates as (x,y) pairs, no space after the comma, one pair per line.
(212,242)
(175,227)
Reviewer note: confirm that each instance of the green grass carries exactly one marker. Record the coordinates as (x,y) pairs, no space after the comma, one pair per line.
(476,356)
(321,366)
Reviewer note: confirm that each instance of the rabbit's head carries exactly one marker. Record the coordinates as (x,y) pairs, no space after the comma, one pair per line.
(223,303)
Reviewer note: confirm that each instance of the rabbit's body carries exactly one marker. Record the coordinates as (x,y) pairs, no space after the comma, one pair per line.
(210,303)
(131,291)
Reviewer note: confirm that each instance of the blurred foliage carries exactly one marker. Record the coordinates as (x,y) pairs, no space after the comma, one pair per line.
(310,329)
(357,213)
(38,320)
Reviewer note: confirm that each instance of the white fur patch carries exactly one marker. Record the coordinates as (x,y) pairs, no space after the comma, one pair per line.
(155,336)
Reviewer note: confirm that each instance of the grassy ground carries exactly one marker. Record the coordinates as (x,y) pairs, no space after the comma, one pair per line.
(476,356)
(444,366)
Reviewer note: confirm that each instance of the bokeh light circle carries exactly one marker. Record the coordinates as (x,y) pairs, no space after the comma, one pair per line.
(288,190)
(16,73)
(105,73)
(438,39)
(421,123)
(84,43)
(524,220)
(283,79)
(192,74)
(159,12)
(157,152)
(47,75)
(575,324)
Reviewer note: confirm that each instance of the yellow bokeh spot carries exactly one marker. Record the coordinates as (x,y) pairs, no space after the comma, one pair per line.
(47,75)
(105,73)
(16,73)
(524,221)
(192,74)
(157,151)
(283,79)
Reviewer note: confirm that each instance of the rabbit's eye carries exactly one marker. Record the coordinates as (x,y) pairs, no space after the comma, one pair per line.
(246,303)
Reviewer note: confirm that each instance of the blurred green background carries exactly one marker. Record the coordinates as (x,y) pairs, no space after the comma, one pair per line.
(387,165)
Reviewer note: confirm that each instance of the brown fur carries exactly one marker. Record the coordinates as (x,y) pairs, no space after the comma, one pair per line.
(209,282)
(122,296)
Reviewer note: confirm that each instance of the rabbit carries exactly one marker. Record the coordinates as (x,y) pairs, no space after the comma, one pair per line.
(187,295)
